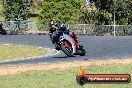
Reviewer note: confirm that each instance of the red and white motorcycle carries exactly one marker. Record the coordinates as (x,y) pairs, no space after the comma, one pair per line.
(69,46)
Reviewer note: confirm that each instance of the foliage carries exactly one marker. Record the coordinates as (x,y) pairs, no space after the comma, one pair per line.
(61,10)
(123,11)
(105,12)
(95,17)
(16,9)
(71,11)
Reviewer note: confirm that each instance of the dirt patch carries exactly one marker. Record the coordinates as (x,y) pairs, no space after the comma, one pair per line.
(14,69)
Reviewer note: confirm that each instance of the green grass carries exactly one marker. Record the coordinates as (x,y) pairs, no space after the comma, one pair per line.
(9,52)
(63,78)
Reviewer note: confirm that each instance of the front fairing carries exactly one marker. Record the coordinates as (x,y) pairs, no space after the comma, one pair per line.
(71,40)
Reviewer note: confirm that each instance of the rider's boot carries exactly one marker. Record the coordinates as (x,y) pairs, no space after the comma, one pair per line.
(79,45)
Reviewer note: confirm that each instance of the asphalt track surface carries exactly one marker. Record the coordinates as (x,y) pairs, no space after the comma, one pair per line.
(97,47)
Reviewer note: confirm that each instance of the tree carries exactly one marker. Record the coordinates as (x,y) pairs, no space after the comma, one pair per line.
(123,9)
(65,11)
(16,9)
(93,15)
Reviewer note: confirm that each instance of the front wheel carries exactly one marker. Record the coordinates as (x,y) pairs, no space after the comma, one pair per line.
(67,48)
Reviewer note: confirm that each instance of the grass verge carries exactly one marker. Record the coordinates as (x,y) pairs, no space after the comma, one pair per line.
(10,52)
(63,78)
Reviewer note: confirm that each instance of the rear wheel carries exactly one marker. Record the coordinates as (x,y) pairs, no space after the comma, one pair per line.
(67,48)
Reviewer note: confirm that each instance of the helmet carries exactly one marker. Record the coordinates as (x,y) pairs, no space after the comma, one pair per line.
(52,22)
(62,27)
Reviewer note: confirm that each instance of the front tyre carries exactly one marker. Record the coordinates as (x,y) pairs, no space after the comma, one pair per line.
(67,49)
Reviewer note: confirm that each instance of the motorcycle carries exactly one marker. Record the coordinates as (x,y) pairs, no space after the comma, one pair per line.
(69,46)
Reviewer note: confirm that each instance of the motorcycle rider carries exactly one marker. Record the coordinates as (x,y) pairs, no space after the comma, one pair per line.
(57,29)
(2,30)
(53,29)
